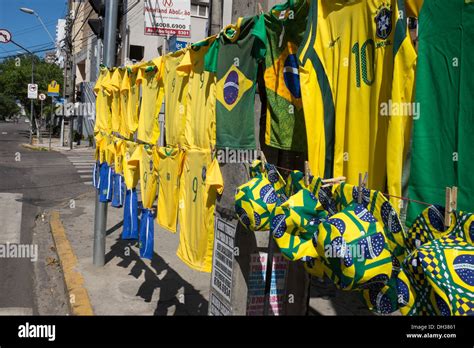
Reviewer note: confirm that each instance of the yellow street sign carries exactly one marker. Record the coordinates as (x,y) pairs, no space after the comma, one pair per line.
(53,88)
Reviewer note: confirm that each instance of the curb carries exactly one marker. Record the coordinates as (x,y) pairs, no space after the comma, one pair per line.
(79,297)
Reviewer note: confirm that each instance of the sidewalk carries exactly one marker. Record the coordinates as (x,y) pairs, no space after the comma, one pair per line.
(57,146)
(127,284)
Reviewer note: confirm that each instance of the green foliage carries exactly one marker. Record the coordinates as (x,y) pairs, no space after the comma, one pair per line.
(8,107)
(15,75)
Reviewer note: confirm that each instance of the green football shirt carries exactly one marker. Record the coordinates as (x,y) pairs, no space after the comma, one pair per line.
(442,152)
(285,25)
(234,58)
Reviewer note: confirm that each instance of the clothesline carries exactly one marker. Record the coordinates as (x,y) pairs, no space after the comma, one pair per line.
(385,194)
(290,170)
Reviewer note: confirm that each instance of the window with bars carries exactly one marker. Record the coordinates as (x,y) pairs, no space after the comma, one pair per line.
(198,10)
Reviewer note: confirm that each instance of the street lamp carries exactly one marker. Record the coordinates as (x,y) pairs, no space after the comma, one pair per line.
(30,11)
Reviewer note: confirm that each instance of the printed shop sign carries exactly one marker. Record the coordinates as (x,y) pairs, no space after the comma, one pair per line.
(222,262)
(256,284)
(168,17)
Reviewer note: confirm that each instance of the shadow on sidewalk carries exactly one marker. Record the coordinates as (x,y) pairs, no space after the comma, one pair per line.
(175,292)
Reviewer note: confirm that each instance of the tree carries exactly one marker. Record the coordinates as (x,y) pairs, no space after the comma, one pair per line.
(15,75)
(8,106)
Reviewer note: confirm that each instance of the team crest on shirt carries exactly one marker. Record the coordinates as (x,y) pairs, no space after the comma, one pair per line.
(383,22)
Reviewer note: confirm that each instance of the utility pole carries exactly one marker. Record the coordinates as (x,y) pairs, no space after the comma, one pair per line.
(67,49)
(32,110)
(73,101)
(237,237)
(110,39)
(51,121)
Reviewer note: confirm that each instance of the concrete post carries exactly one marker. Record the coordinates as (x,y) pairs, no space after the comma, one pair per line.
(246,245)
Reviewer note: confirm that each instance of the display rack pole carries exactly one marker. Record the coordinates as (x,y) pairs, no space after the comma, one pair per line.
(100,221)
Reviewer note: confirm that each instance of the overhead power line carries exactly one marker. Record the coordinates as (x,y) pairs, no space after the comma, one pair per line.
(32,28)
(31,47)
(34,51)
(82,25)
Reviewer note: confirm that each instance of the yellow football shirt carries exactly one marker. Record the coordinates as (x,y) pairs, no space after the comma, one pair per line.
(176,90)
(103,115)
(114,83)
(201,180)
(130,171)
(119,103)
(149,77)
(170,162)
(200,127)
(130,99)
(142,158)
(356,58)
(100,147)
(109,150)
(119,144)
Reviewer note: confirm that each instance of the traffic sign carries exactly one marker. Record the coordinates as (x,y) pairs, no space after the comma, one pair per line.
(42,96)
(53,89)
(5,36)
(181,44)
(176,45)
(32,91)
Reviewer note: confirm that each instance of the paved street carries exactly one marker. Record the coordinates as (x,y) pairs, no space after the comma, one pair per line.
(31,182)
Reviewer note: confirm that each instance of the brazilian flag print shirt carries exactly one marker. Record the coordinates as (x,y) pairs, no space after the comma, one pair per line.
(234,58)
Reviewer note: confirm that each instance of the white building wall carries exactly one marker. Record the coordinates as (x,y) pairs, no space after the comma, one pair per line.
(227,12)
(134,29)
(198,30)
(60,36)
(135,26)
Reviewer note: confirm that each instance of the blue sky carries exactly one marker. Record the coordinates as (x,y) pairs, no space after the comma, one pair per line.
(25,28)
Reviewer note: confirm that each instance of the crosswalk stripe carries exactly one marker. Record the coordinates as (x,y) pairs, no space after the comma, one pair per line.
(83,171)
(85,176)
(16,311)
(82,164)
(10,217)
